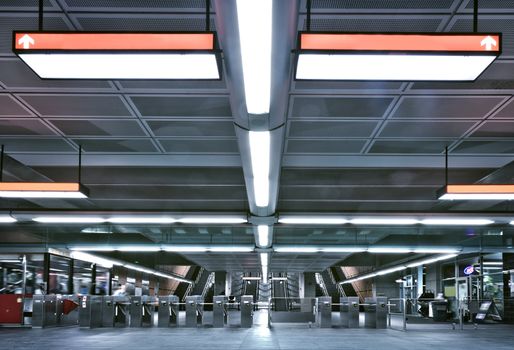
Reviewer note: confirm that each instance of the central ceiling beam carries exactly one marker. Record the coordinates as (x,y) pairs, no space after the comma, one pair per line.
(284,24)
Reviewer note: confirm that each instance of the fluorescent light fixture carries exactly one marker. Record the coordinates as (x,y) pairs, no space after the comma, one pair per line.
(320,220)
(492,263)
(139,248)
(93,259)
(391,270)
(7,219)
(43,190)
(264,273)
(392,250)
(260,148)
(400,57)
(185,249)
(399,268)
(279,278)
(212,220)
(431,260)
(342,250)
(251,278)
(263,237)
(476,192)
(383,221)
(254,19)
(140,220)
(230,249)
(92,248)
(264,259)
(69,219)
(435,250)
(72,55)
(296,249)
(456,222)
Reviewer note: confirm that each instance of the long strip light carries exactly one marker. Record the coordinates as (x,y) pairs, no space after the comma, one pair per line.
(399,57)
(399,268)
(254,20)
(212,220)
(263,236)
(300,220)
(166,248)
(260,150)
(69,219)
(7,219)
(72,55)
(109,263)
(43,190)
(264,266)
(357,249)
(140,220)
(477,192)
(393,221)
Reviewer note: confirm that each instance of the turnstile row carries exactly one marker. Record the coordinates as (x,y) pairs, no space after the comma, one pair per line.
(375,312)
(121,311)
(54,310)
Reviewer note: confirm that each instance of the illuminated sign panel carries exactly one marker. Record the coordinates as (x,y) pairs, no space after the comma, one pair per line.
(400,57)
(97,55)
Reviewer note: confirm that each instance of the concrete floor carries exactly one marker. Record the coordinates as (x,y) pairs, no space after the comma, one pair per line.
(280,336)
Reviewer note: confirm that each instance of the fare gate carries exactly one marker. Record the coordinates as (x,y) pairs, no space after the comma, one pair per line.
(219,311)
(90,311)
(194,310)
(246,311)
(325,312)
(168,311)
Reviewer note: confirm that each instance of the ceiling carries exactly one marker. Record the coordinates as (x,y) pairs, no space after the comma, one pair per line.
(174,145)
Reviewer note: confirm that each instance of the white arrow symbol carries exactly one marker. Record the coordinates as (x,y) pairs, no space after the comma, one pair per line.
(26,41)
(488,42)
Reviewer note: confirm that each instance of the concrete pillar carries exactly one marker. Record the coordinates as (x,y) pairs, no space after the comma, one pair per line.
(386,286)
(307,281)
(228,284)
(433,278)
(220,278)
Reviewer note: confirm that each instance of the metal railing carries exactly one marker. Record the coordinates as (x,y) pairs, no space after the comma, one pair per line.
(338,285)
(208,285)
(321,283)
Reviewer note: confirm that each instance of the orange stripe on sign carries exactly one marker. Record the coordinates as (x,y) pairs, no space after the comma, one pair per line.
(113,41)
(400,42)
(480,189)
(40,186)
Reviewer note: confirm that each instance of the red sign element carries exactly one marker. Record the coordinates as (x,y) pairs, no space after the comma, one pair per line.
(113,41)
(400,42)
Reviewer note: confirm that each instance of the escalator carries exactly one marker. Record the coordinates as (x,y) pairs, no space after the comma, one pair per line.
(279,291)
(250,288)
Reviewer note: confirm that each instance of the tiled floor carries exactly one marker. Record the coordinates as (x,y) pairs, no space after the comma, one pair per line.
(299,336)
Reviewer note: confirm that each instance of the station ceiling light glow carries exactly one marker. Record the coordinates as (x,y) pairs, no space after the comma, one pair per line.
(212,220)
(254,20)
(476,192)
(97,55)
(260,151)
(306,220)
(263,236)
(383,221)
(456,222)
(140,220)
(43,190)
(69,219)
(398,57)
(7,219)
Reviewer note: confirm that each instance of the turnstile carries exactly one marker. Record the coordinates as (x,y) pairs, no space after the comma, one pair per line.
(353,312)
(67,310)
(121,311)
(43,311)
(219,311)
(325,312)
(108,307)
(343,311)
(194,310)
(90,311)
(168,310)
(381,312)
(148,307)
(136,312)
(246,311)
(370,312)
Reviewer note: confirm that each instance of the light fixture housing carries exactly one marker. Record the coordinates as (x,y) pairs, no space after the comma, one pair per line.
(7,219)
(476,192)
(43,190)
(260,153)
(120,55)
(395,56)
(263,236)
